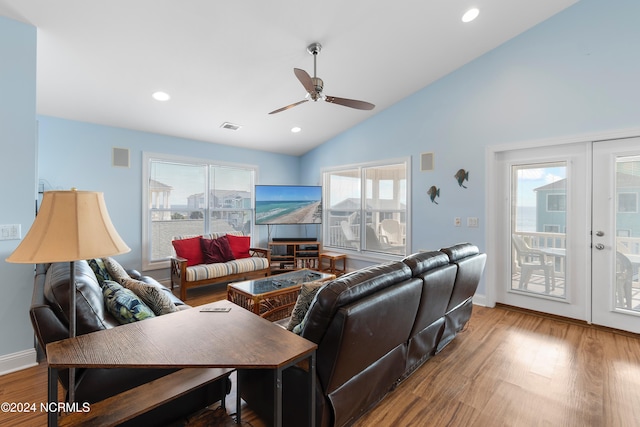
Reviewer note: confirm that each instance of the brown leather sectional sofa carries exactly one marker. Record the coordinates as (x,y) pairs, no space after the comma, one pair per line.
(373,327)
(49,319)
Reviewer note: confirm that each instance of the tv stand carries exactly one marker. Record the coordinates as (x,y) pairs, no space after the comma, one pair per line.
(294,254)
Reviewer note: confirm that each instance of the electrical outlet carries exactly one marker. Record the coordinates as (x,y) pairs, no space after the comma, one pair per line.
(457,222)
(10,232)
(472,221)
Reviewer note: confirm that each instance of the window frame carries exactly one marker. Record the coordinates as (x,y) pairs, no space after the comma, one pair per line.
(364,212)
(148,158)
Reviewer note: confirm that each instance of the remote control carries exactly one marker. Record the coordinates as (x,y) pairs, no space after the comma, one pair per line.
(216,309)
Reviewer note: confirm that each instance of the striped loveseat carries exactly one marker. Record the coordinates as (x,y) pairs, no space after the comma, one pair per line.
(257,264)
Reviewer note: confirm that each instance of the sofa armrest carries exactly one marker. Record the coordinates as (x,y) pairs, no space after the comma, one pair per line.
(261,252)
(178,270)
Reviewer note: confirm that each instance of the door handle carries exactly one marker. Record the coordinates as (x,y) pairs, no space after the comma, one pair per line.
(599,246)
(599,233)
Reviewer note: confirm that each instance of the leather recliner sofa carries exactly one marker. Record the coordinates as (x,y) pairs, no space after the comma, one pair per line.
(49,317)
(373,328)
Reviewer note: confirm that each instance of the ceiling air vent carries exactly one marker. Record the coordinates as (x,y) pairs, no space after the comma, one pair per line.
(230,126)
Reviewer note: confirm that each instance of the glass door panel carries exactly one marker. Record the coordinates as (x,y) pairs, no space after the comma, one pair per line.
(538,228)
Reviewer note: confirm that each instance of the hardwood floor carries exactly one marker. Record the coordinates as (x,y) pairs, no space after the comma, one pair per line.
(507,368)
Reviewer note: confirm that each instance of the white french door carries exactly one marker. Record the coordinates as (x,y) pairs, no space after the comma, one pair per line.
(544,229)
(616,234)
(568,230)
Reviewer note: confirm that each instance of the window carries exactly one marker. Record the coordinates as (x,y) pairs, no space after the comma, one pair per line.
(189,196)
(556,203)
(366,207)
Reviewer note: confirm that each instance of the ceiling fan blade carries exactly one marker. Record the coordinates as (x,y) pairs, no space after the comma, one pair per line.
(288,106)
(305,79)
(360,105)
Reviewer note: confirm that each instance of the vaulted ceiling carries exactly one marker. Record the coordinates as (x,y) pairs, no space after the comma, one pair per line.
(99,61)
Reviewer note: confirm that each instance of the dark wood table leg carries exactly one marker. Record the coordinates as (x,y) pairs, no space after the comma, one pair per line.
(238,399)
(52,397)
(277,410)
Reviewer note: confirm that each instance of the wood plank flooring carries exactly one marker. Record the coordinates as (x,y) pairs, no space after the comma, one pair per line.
(507,368)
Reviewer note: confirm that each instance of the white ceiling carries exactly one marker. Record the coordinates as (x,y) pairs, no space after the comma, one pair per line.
(99,61)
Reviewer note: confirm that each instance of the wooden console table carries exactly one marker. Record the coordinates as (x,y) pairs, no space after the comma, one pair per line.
(189,339)
(294,254)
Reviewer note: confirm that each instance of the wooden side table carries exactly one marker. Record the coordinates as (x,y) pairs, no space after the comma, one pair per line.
(333,257)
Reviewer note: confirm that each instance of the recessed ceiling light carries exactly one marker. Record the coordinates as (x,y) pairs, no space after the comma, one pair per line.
(161,96)
(296,129)
(470,15)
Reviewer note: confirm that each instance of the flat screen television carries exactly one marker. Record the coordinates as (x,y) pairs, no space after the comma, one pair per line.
(288,204)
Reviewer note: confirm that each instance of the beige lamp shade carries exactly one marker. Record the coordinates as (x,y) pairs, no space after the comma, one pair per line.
(71,225)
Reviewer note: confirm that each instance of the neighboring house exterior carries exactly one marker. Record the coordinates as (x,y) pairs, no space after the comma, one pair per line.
(551,209)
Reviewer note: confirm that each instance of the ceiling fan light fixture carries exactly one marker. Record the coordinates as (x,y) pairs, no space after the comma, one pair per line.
(470,15)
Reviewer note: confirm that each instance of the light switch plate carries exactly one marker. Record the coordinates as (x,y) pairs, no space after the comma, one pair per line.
(10,232)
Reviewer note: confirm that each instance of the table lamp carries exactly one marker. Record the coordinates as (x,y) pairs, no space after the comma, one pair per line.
(70,226)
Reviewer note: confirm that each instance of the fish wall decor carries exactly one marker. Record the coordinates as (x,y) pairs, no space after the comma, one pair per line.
(462,176)
(433,192)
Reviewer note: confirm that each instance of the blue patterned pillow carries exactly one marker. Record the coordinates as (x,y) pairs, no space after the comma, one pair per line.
(99,269)
(123,304)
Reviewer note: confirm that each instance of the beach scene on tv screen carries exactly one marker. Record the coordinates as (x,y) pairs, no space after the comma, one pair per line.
(281,204)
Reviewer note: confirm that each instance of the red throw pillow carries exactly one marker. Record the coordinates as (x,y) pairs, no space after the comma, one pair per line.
(216,250)
(189,249)
(239,245)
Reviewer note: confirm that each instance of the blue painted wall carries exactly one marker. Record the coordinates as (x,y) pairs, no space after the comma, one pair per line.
(77,154)
(17,176)
(575,73)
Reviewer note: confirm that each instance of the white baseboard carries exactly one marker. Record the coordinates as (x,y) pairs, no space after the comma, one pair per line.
(18,361)
(480,300)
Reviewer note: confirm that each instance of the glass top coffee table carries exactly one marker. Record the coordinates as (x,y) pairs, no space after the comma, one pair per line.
(273,297)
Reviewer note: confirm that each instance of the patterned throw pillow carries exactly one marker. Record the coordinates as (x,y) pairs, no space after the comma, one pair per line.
(307,292)
(152,295)
(216,250)
(99,269)
(116,271)
(123,304)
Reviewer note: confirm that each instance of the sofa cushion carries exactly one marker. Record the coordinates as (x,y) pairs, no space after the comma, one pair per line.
(123,304)
(212,271)
(239,245)
(189,249)
(99,269)
(216,250)
(116,271)
(307,292)
(347,289)
(153,295)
